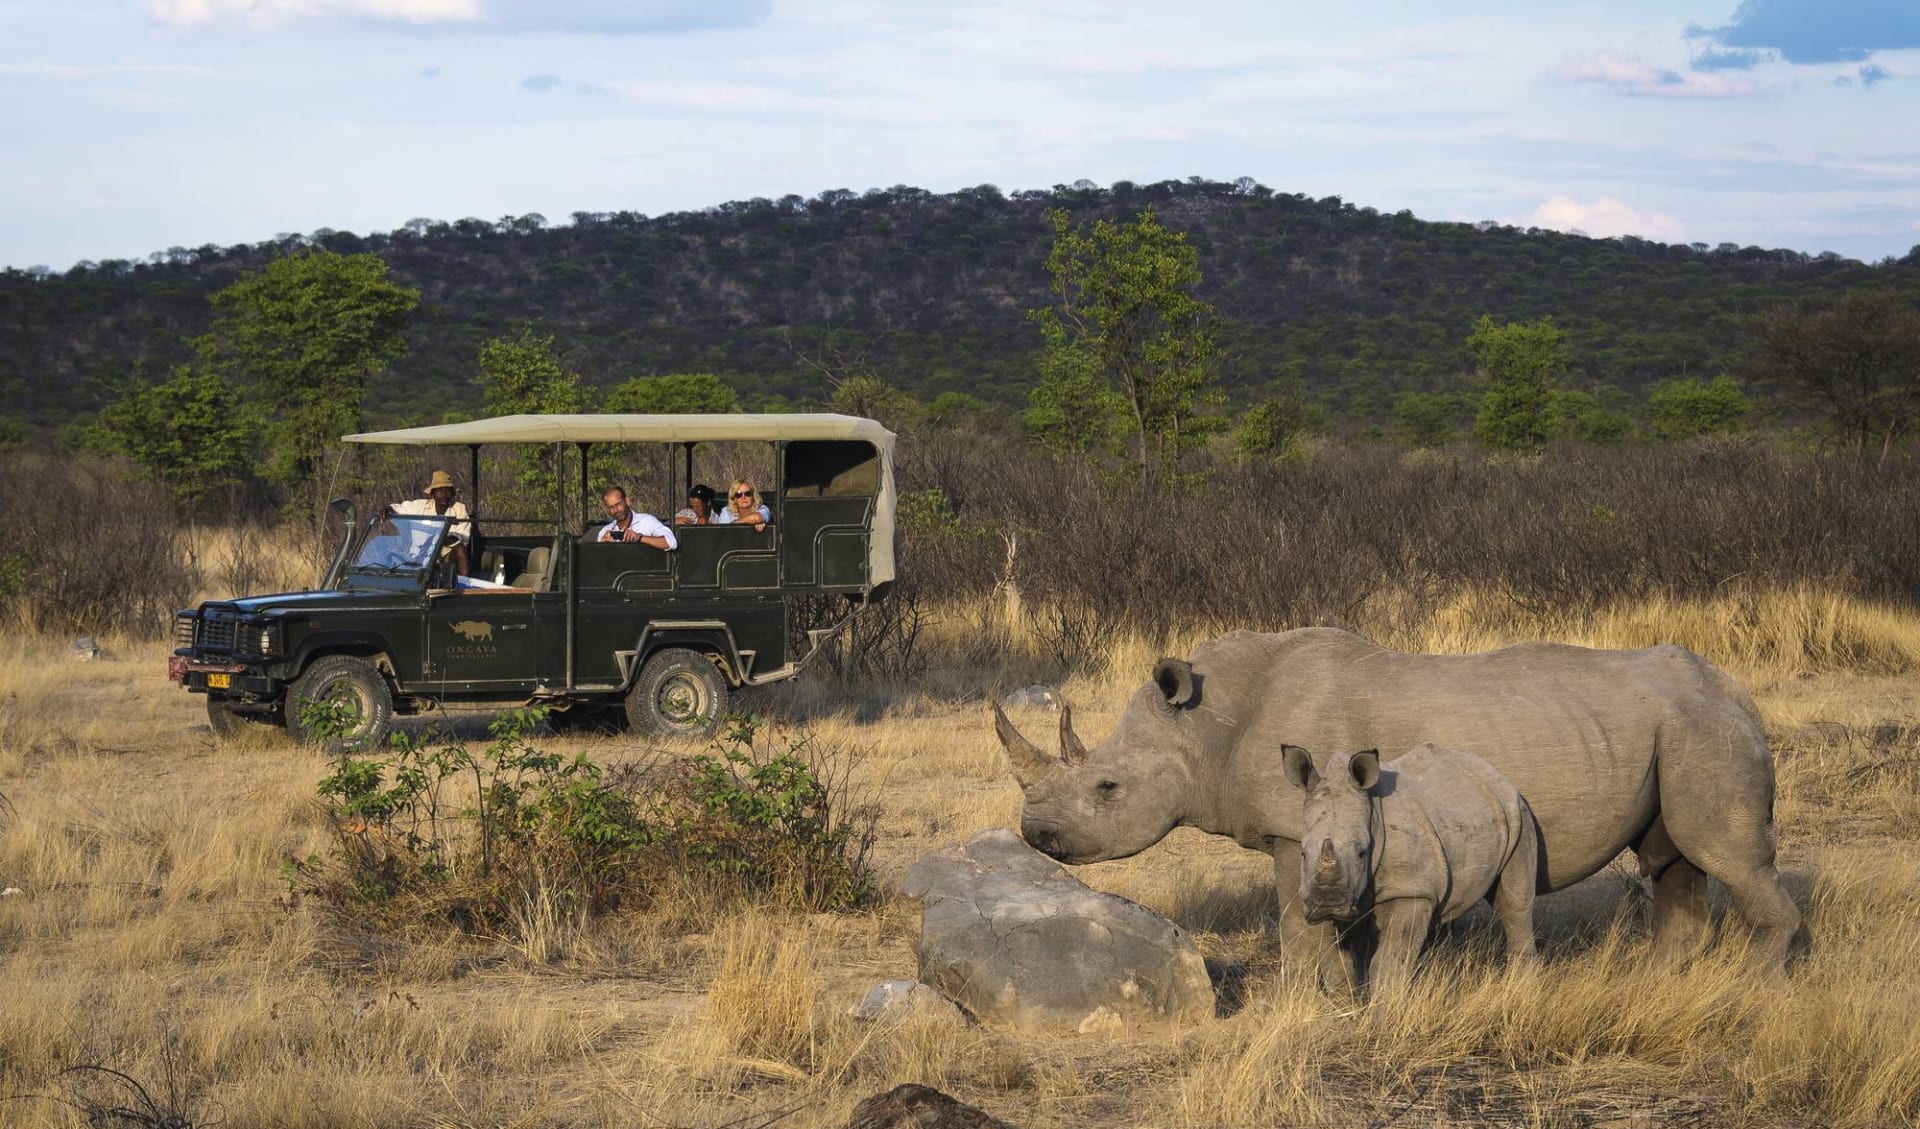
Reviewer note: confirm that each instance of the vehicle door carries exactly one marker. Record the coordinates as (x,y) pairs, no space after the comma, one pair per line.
(482,640)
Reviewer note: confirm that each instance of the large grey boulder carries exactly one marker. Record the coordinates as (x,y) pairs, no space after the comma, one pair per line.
(1014,938)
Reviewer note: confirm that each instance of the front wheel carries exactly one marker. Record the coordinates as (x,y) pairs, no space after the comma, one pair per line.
(679,693)
(340,703)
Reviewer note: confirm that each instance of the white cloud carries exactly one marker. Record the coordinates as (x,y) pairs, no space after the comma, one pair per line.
(268,13)
(1604,217)
(589,16)
(1630,74)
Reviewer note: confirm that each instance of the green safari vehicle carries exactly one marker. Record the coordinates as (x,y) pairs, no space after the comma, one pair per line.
(583,626)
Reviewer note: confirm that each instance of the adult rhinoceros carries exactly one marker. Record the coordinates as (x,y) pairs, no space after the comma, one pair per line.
(1655,750)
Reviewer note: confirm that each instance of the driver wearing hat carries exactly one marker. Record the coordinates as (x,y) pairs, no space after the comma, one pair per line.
(437,501)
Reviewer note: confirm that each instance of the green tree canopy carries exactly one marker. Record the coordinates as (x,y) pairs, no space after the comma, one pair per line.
(692,393)
(304,336)
(192,432)
(1126,319)
(1426,419)
(523,375)
(1688,407)
(1521,366)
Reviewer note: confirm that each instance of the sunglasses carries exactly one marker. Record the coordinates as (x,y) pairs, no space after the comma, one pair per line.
(743,493)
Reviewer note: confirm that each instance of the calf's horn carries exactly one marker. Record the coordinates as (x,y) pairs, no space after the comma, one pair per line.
(1071,750)
(1327,864)
(1029,763)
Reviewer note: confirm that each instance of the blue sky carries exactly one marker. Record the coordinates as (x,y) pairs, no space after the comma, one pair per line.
(134,125)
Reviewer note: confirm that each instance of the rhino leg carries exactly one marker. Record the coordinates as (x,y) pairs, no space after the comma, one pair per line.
(1512,895)
(1730,839)
(1403,924)
(1304,946)
(1682,921)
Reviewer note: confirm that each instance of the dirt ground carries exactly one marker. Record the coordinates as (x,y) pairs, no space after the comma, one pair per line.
(151,933)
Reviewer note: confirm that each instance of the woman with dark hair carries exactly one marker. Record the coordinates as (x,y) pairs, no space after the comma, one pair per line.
(699,509)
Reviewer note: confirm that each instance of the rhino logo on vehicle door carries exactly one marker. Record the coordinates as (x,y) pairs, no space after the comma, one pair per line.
(473,631)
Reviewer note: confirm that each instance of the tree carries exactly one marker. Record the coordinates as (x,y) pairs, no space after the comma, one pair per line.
(1688,407)
(304,336)
(1856,362)
(1127,320)
(523,376)
(691,393)
(192,432)
(1521,366)
(1425,419)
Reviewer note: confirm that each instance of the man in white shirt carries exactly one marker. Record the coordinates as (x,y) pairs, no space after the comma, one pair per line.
(438,502)
(630,526)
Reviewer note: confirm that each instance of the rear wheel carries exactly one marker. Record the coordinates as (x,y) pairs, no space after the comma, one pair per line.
(679,693)
(229,724)
(340,703)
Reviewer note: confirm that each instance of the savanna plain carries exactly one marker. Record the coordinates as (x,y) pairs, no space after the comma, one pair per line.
(158,962)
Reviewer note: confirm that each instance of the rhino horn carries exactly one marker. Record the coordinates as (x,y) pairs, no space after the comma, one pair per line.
(1029,763)
(1328,866)
(1071,750)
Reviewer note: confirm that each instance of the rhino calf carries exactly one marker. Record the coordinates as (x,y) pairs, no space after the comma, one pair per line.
(1410,845)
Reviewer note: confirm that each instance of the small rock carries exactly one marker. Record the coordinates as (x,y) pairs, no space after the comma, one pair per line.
(1031,698)
(919,1107)
(85,649)
(898,1000)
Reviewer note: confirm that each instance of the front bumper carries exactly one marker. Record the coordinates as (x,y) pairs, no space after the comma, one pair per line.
(242,682)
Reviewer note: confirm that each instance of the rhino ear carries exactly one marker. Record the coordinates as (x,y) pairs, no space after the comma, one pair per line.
(1029,763)
(1365,768)
(1300,768)
(1175,679)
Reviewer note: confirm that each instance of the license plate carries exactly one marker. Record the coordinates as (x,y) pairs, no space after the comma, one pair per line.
(219,681)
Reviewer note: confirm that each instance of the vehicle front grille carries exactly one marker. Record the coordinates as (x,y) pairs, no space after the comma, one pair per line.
(216,634)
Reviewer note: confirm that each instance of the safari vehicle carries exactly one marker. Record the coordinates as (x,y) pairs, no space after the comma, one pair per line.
(582,626)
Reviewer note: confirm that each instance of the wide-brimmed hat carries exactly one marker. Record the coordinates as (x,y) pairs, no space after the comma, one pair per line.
(441,480)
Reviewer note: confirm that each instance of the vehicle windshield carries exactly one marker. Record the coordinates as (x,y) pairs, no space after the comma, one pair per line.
(399,545)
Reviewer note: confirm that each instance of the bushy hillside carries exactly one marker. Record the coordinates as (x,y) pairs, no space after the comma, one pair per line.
(930,291)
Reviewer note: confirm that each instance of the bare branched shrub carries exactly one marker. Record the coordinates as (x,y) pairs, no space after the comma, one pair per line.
(1384,540)
(88,548)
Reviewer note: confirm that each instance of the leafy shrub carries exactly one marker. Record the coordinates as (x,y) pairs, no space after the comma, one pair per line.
(1688,407)
(434,830)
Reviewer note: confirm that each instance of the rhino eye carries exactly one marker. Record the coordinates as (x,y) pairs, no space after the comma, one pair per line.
(1109,787)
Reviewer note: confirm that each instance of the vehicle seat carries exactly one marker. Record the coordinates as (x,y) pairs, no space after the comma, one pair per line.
(489,561)
(538,561)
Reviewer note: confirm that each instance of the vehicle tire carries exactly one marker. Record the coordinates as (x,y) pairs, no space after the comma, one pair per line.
(351,683)
(231,725)
(679,693)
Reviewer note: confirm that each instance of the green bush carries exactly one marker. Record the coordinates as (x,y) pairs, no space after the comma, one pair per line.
(1688,407)
(434,831)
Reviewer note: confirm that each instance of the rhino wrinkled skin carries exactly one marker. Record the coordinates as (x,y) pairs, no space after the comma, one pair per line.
(1411,844)
(1655,750)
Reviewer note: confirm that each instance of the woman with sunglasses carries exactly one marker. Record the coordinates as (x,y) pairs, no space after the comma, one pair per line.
(740,508)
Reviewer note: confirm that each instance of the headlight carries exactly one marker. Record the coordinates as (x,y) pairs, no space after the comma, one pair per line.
(269,640)
(183,630)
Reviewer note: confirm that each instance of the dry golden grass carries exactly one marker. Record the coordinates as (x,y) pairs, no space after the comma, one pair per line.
(154,934)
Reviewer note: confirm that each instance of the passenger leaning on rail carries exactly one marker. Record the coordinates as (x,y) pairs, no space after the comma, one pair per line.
(630,526)
(741,509)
